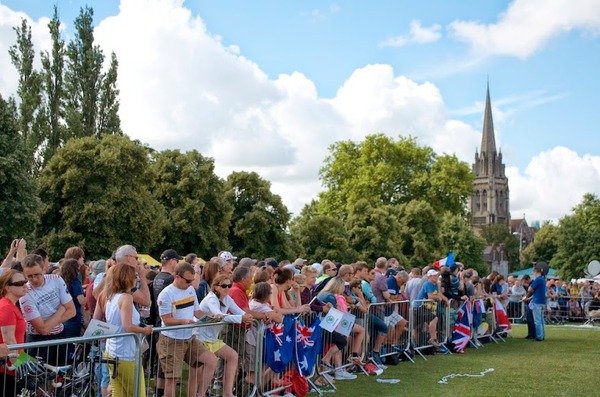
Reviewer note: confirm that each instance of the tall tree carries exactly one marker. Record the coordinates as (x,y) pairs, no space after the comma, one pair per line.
(457,235)
(420,233)
(543,247)
(91,100)
(374,231)
(260,219)
(383,171)
(97,194)
(22,55)
(50,123)
(320,236)
(578,238)
(18,192)
(194,200)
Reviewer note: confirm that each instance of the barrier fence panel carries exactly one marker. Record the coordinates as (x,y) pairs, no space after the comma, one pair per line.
(515,309)
(428,321)
(388,331)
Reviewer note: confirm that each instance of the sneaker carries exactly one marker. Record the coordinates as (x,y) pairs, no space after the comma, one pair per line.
(342,374)
(378,361)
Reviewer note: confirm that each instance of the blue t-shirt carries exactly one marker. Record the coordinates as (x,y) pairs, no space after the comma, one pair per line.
(427,288)
(76,289)
(539,290)
(393,287)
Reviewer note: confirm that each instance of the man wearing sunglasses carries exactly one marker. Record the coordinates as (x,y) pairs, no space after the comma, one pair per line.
(177,305)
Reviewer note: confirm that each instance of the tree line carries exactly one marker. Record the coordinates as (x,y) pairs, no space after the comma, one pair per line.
(70,176)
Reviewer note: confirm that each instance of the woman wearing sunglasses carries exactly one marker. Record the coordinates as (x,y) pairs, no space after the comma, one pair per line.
(12,323)
(220,305)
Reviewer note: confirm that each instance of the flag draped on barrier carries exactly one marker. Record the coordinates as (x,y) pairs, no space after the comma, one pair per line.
(501,316)
(478,310)
(461,334)
(308,345)
(279,344)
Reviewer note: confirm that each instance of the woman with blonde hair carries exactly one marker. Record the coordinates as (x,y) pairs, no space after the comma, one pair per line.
(116,304)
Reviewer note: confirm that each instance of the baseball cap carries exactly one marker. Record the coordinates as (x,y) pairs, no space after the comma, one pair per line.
(432,272)
(226,255)
(272,262)
(299,262)
(391,272)
(247,262)
(170,254)
(98,267)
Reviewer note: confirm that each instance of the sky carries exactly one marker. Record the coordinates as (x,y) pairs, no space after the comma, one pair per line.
(268,86)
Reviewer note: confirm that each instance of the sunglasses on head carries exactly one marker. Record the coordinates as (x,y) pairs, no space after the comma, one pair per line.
(18,283)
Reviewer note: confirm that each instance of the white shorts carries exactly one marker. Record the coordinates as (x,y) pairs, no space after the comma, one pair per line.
(392,319)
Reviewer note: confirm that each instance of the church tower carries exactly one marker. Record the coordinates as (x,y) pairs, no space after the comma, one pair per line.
(490,200)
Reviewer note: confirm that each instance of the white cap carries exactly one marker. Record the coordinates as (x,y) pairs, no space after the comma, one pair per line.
(432,272)
(226,255)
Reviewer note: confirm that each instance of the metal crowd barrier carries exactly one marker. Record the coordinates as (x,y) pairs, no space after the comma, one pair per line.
(393,318)
(424,335)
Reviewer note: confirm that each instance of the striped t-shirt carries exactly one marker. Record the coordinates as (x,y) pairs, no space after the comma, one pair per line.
(181,304)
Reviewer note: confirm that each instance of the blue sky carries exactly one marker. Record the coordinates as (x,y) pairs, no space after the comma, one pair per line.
(268,85)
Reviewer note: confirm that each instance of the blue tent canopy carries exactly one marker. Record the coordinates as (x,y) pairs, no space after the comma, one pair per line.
(529,272)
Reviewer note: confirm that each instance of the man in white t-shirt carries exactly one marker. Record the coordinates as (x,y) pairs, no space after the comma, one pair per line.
(177,305)
(45,307)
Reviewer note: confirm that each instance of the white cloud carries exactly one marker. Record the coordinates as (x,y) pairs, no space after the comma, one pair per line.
(181,88)
(553,183)
(418,34)
(527,25)
(10,19)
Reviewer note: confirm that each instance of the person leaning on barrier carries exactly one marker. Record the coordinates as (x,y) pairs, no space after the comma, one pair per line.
(45,307)
(220,305)
(177,305)
(426,311)
(12,323)
(115,304)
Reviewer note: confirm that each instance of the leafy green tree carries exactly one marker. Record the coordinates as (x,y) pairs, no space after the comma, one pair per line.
(374,231)
(543,247)
(260,219)
(49,123)
(97,194)
(578,238)
(378,170)
(91,107)
(500,234)
(448,185)
(457,235)
(420,233)
(18,192)
(22,55)
(322,237)
(194,200)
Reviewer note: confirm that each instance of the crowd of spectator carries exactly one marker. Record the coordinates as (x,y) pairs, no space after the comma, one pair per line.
(42,301)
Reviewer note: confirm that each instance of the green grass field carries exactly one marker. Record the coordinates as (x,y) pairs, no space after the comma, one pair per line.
(567,363)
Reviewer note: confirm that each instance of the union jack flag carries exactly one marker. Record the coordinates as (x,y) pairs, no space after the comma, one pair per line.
(304,334)
(461,334)
(501,316)
(277,330)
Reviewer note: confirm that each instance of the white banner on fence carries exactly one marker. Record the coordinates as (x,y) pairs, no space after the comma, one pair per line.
(332,319)
(345,326)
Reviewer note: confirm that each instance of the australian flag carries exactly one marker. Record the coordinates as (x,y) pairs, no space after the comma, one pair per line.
(279,344)
(308,345)
(461,334)
(478,310)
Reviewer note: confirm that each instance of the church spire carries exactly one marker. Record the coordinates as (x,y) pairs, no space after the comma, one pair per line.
(488,142)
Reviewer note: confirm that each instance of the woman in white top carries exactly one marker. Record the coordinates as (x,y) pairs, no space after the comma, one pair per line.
(219,303)
(116,306)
